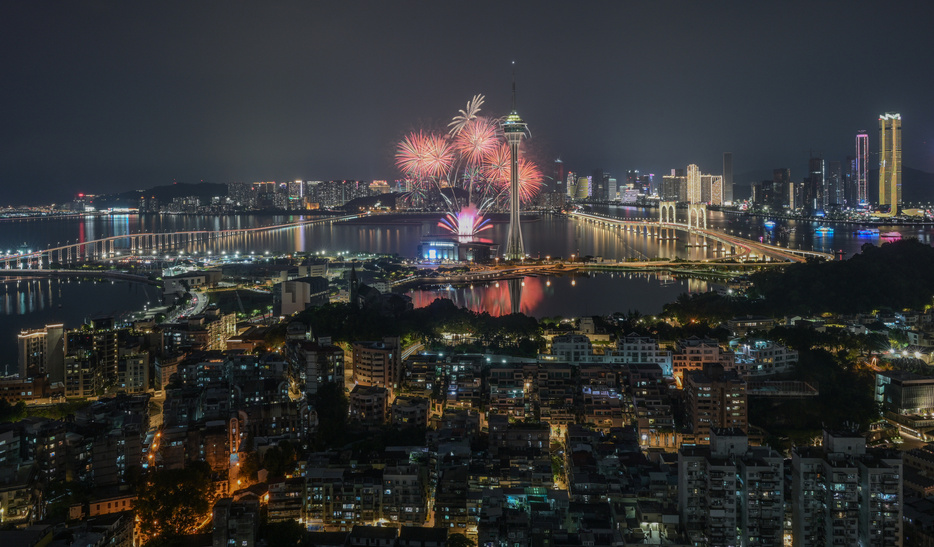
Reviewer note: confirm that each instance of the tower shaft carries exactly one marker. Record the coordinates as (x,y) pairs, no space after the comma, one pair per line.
(515,248)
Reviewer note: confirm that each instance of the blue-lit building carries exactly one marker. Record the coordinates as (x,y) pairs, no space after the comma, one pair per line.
(440,248)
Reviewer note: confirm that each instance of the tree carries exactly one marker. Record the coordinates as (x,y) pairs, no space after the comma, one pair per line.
(174,502)
(280,460)
(249,466)
(10,412)
(459,540)
(287,532)
(332,406)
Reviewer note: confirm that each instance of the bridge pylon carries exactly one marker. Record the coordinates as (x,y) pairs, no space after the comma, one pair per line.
(697,215)
(667,211)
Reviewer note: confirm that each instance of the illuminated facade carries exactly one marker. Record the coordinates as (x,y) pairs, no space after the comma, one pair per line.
(890,160)
(583,188)
(862,167)
(704,188)
(711,189)
(694,184)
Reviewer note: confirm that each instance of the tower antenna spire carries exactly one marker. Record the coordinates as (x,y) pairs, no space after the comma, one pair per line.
(513,85)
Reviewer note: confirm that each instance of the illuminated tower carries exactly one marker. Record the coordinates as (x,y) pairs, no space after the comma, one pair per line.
(514,129)
(890,160)
(862,168)
(694,184)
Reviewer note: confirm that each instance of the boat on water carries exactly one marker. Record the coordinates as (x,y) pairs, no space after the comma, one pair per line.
(867,232)
(769,223)
(891,235)
(824,231)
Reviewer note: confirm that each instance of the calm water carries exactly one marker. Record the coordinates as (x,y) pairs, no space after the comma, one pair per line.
(572,295)
(798,234)
(30,304)
(549,235)
(34,303)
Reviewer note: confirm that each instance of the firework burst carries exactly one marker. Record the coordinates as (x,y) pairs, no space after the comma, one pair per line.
(472,157)
(465,116)
(467,223)
(477,140)
(499,171)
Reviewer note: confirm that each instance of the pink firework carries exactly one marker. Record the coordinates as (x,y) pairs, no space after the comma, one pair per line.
(497,165)
(477,140)
(440,156)
(411,154)
(530,180)
(498,171)
(467,223)
(424,155)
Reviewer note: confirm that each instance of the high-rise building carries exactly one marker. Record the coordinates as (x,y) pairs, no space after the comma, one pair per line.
(728,177)
(815,185)
(715,398)
(835,184)
(850,190)
(711,189)
(674,187)
(235,522)
(599,190)
(704,188)
(730,493)
(377,363)
(862,167)
(890,160)
(694,184)
(844,494)
(557,184)
(584,188)
(571,185)
(42,351)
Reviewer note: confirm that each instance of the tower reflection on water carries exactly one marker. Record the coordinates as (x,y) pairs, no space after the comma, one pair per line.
(580,294)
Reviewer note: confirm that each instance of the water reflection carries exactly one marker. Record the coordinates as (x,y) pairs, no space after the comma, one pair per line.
(571,295)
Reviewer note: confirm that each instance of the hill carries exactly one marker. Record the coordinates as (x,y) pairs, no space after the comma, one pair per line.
(204,190)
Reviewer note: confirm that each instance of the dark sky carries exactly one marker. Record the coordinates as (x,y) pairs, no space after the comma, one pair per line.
(106,96)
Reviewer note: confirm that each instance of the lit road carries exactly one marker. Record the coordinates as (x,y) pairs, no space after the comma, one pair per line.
(199,301)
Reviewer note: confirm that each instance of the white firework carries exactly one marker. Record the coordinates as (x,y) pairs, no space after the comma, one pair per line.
(465,116)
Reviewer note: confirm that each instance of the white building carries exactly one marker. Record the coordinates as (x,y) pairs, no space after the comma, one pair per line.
(763,358)
(571,348)
(633,348)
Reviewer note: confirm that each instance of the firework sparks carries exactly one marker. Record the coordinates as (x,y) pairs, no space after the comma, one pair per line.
(498,171)
(467,223)
(472,157)
(498,165)
(424,155)
(477,140)
(466,116)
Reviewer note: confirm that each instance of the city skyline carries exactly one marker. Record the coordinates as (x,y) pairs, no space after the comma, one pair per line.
(133,97)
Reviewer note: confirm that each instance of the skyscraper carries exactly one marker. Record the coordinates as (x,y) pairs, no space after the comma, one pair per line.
(728,177)
(694,184)
(598,190)
(558,183)
(890,160)
(816,198)
(834,195)
(862,167)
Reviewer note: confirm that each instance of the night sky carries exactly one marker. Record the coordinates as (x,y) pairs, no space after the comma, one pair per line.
(108,96)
